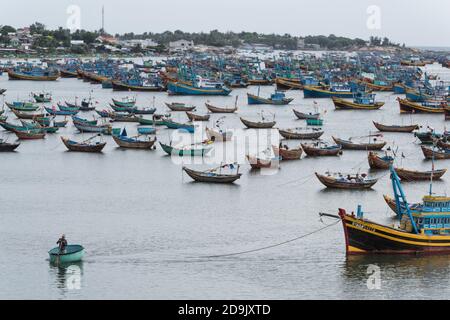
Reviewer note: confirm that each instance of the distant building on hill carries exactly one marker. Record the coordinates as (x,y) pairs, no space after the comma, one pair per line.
(181,45)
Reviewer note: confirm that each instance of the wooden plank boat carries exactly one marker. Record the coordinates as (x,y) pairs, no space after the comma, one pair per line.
(285,84)
(142,130)
(277,98)
(258,125)
(341,104)
(340,181)
(103,113)
(285,153)
(84,146)
(178,106)
(26,115)
(305,116)
(195,117)
(321,149)
(214,109)
(22,106)
(63,107)
(133,143)
(258,163)
(124,117)
(30,134)
(193,150)
(84,121)
(211,176)
(179,126)
(349,145)
(395,128)
(435,153)
(85,127)
(128,103)
(218,136)
(318,92)
(36,125)
(122,86)
(42,97)
(413,175)
(20,76)
(66,112)
(301,133)
(413,107)
(6,146)
(71,254)
(377,162)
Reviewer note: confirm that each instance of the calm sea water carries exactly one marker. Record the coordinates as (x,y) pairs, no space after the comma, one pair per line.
(146,227)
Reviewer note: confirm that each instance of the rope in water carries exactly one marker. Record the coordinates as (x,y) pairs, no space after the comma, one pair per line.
(273,245)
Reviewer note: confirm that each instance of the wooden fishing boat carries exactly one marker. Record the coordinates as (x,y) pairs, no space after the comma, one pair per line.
(124,117)
(142,111)
(24,76)
(314,122)
(277,98)
(22,106)
(84,121)
(30,134)
(86,127)
(36,125)
(192,150)
(133,143)
(442,142)
(211,176)
(288,154)
(195,117)
(127,103)
(62,107)
(122,109)
(413,175)
(199,89)
(305,116)
(11,127)
(285,84)
(349,181)
(407,106)
(146,130)
(42,97)
(179,126)
(435,153)
(378,162)
(84,146)
(5,146)
(258,163)
(422,230)
(321,149)
(214,109)
(373,86)
(26,115)
(103,113)
(320,92)
(395,128)
(218,136)
(177,106)
(301,133)
(122,86)
(428,137)
(71,254)
(341,104)
(156,120)
(350,145)
(258,125)
(55,112)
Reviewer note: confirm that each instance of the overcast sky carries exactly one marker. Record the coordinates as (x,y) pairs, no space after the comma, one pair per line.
(414,22)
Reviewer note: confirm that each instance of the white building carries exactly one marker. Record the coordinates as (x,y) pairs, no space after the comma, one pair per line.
(144,43)
(181,45)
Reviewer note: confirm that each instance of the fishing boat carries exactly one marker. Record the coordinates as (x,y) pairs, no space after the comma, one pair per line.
(72,253)
(84,121)
(360,102)
(84,146)
(314,122)
(277,98)
(22,106)
(407,106)
(55,112)
(11,127)
(26,115)
(122,109)
(288,84)
(200,149)
(144,86)
(301,133)
(198,87)
(86,127)
(327,92)
(30,134)
(143,130)
(178,106)
(42,97)
(395,128)
(435,153)
(321,149)
(376,85)
(218,135)
(259,163)
(6,146)
(379,162)
(429,136)
(124,117)
(67,108)
(346,181)
(350,145)
(423,230)
(125,103)
(305,116)
(36,125)
(414,175)
(285,153)
(195,117)
(34,75)
(214,175)
(258,125)
(179,126)
(133,142)
(103,113)
(214,109)
(156,120)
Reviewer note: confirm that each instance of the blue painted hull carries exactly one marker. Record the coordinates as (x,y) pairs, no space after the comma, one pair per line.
(320,93)
(183,89)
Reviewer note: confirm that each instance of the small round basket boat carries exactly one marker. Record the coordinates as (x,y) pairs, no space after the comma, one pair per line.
(72,253)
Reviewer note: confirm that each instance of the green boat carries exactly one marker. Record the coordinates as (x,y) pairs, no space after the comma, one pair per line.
(72,253)
(22,106)
(153,122)
(192,150)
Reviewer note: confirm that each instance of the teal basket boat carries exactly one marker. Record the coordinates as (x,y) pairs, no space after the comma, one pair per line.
(314,122)
(73,253)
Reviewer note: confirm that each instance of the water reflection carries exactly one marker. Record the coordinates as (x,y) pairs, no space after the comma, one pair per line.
(67,276)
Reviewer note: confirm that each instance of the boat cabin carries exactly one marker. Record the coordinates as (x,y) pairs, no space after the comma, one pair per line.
(434,216)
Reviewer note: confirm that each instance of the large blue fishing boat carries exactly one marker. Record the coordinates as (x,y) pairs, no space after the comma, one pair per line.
(200,87)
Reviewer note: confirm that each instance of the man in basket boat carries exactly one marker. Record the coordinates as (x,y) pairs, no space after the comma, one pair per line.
(62,244)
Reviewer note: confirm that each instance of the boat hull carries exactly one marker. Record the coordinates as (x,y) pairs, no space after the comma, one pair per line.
(176,88)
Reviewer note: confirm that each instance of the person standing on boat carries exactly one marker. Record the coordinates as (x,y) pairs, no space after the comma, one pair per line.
(62,243)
